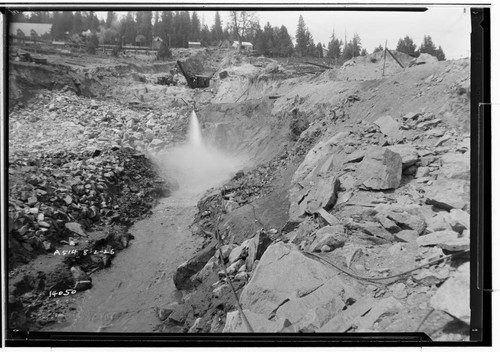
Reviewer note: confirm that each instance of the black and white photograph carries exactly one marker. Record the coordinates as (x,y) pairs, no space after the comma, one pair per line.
(192,171)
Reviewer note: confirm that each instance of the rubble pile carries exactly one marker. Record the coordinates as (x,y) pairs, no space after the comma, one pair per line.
(378,234)
(53,190)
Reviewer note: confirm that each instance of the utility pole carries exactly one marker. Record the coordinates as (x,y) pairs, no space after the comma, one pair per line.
(385,53)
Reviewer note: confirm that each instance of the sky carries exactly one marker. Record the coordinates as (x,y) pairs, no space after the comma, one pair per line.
(448,26)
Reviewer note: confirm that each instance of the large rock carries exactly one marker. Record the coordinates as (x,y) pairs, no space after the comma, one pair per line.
(459,220)
(449,193)
(322,194)
(455,166)
(331,236)
(388,126)
(289,285)
(380,169)
(182,276)
(453,297)
(409,154)
(407,221)
(362,315)
(322,158)
(318,193)
(75,228)
(258,322)
(448,240)
(425,58)
(256,248)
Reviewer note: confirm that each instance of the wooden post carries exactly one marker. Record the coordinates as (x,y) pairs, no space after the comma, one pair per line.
(385,52)
(396,59)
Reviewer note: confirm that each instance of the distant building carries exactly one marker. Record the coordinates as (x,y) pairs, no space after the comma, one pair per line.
(27,28)
(247,46)
(194,45)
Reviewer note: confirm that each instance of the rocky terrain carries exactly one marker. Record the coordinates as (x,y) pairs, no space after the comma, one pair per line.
(350,215)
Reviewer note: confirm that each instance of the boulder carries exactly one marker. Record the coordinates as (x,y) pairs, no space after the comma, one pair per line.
(239,252)
(319,193)
(439,222)
(331,236)
(422,171)
(448,194)
(409,155)
(407,221)
(425,58)
(459,220)
(187,269)
(388,126)
(380,169)
(288,284)
(75,228)
(226,250)
(455,165)
(447,240)
(363,314)
(406,236)
(256,248)
(453,297)
(258,322)
(322,194)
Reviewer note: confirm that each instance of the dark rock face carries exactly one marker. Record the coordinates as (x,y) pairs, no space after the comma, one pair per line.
(182,277)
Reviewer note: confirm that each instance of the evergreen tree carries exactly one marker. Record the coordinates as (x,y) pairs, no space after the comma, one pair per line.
(319,50)
(78,23)
(243,24)
(205,36)
(334,47)
(406,46)
(156,24)
(427,46)
(217,32)
(285,45)
(378,48)
(111,16)
(363,52)
(164,51)
(311,47)
(128,29)
(353,48)
(301,37)
(19,16)
(195,27)
(440,54)
(167,26)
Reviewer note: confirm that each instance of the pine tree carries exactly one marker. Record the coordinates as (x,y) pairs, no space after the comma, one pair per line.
(167,26)
(285,44)
(205,36)
(406,46)
(77,23)
(195,27)
(427,46)
(440,54)
(111,16)
(301,37)
(378,48)
(217,32)
(334,47)
(319,50)
(128,29)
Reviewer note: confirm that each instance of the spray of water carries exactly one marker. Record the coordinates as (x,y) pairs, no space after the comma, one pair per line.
(194,134)
(196,165)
